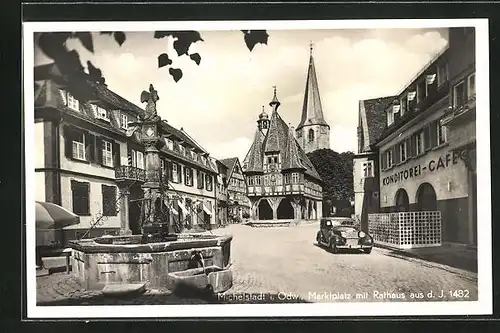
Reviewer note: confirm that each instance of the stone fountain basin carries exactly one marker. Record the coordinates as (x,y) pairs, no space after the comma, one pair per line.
(104,261)
(212,279)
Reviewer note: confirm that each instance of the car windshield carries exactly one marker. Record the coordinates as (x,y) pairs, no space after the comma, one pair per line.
(338,223)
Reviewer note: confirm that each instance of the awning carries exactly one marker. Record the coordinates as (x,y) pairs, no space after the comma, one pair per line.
(208,211)
(183,208)
(52,216)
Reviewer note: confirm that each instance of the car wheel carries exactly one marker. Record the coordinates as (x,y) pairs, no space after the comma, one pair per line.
(368,251)
(333,247)
(318,238)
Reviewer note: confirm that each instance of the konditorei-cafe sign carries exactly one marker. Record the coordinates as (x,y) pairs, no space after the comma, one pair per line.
(433,165)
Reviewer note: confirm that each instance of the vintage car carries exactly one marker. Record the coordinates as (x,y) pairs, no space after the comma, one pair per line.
(343,233)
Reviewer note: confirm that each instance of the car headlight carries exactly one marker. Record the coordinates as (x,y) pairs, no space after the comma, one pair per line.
(361,234)
(343,234)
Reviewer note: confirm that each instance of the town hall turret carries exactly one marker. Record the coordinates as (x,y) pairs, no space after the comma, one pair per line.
(313,132)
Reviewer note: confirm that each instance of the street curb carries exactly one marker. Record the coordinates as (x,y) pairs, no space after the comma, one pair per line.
(399,251)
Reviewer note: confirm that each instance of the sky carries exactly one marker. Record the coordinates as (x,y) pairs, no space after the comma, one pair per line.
(218,101)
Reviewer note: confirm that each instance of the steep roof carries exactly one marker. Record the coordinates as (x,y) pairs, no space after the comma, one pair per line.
(374,113)
(229,163)
(312,110)
(254,158)
(280,139)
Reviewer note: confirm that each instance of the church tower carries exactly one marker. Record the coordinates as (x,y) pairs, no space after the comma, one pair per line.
(313,132)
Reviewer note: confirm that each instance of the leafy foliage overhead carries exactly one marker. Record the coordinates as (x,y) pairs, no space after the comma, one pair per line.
(53,45)
(336,171)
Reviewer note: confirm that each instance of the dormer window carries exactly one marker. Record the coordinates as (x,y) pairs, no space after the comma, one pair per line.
(390,116)
(73,103)
(100,112)
(169,143)
(181,149)
(124,121)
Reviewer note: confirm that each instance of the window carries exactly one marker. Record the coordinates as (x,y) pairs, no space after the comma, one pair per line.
(311,135)
(200,179)
(266,180)
(257,180)
(250,181)
(81,197)
(419,143)
(188,176)
(299,134)
(287,178)
(124,121)
(109,201)
(182,150)
(107,153)
(175,173)
(388,158)
(404,105)
(79,146)
(441,134)
(421,91)
(137,159)
(295,178)
(73,103)
(208,182)
(442,75)
(459,95)
(403,151)
(471,86)
(368,169)
(100,112)
(390,116)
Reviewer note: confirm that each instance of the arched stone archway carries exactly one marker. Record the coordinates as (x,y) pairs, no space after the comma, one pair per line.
(285,209)
(402,203)
(426,198)
(264,210)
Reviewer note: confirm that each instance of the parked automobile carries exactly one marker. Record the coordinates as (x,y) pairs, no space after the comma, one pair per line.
(343,233)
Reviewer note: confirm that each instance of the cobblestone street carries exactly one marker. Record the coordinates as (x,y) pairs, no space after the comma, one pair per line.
(286,265)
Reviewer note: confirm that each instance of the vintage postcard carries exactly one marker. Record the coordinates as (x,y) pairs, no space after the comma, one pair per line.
(298,168)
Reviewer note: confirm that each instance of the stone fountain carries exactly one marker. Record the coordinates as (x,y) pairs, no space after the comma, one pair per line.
(161,257)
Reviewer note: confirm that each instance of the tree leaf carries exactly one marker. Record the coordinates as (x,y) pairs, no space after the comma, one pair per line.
(164,60)
(95,73)
(176,73)
(86,40)
(252,37)
(181,46)
(196,58)
(161,34)
(119,37)
(52,44)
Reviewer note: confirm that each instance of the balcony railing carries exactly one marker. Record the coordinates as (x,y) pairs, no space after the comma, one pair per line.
(406,230)
(125,172)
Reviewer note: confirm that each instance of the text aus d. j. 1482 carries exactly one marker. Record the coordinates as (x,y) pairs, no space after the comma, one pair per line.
(433,165)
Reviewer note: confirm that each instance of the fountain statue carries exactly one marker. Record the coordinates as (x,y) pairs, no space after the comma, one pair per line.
(162,256)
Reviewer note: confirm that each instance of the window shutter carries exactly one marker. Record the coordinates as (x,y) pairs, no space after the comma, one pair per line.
(396,154)
(169,171)
(409,147)
(191,173)
(433,134)
(68,141)
(91,154)
(427,138)
(116,154)
(383,160)
(129,155)
(88,145)
(98,150)
(413,144)
(179,173)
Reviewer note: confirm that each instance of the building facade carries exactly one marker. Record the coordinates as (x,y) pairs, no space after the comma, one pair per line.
(282,183)
(313,132)
(222,195)
(423,153)
(371,124)
(89,160)
(239,204)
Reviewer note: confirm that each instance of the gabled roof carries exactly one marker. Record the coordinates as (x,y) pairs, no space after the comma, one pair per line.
(312,110)
(254,158)
(229,163)
(292,157)
(373,110)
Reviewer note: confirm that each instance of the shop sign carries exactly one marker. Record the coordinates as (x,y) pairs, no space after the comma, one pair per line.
(433,165)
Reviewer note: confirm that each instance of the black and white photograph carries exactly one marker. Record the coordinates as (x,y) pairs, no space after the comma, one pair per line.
(257,168)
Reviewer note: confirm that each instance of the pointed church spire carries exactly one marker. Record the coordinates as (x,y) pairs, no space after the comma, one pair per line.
(312,111)
(275,103)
